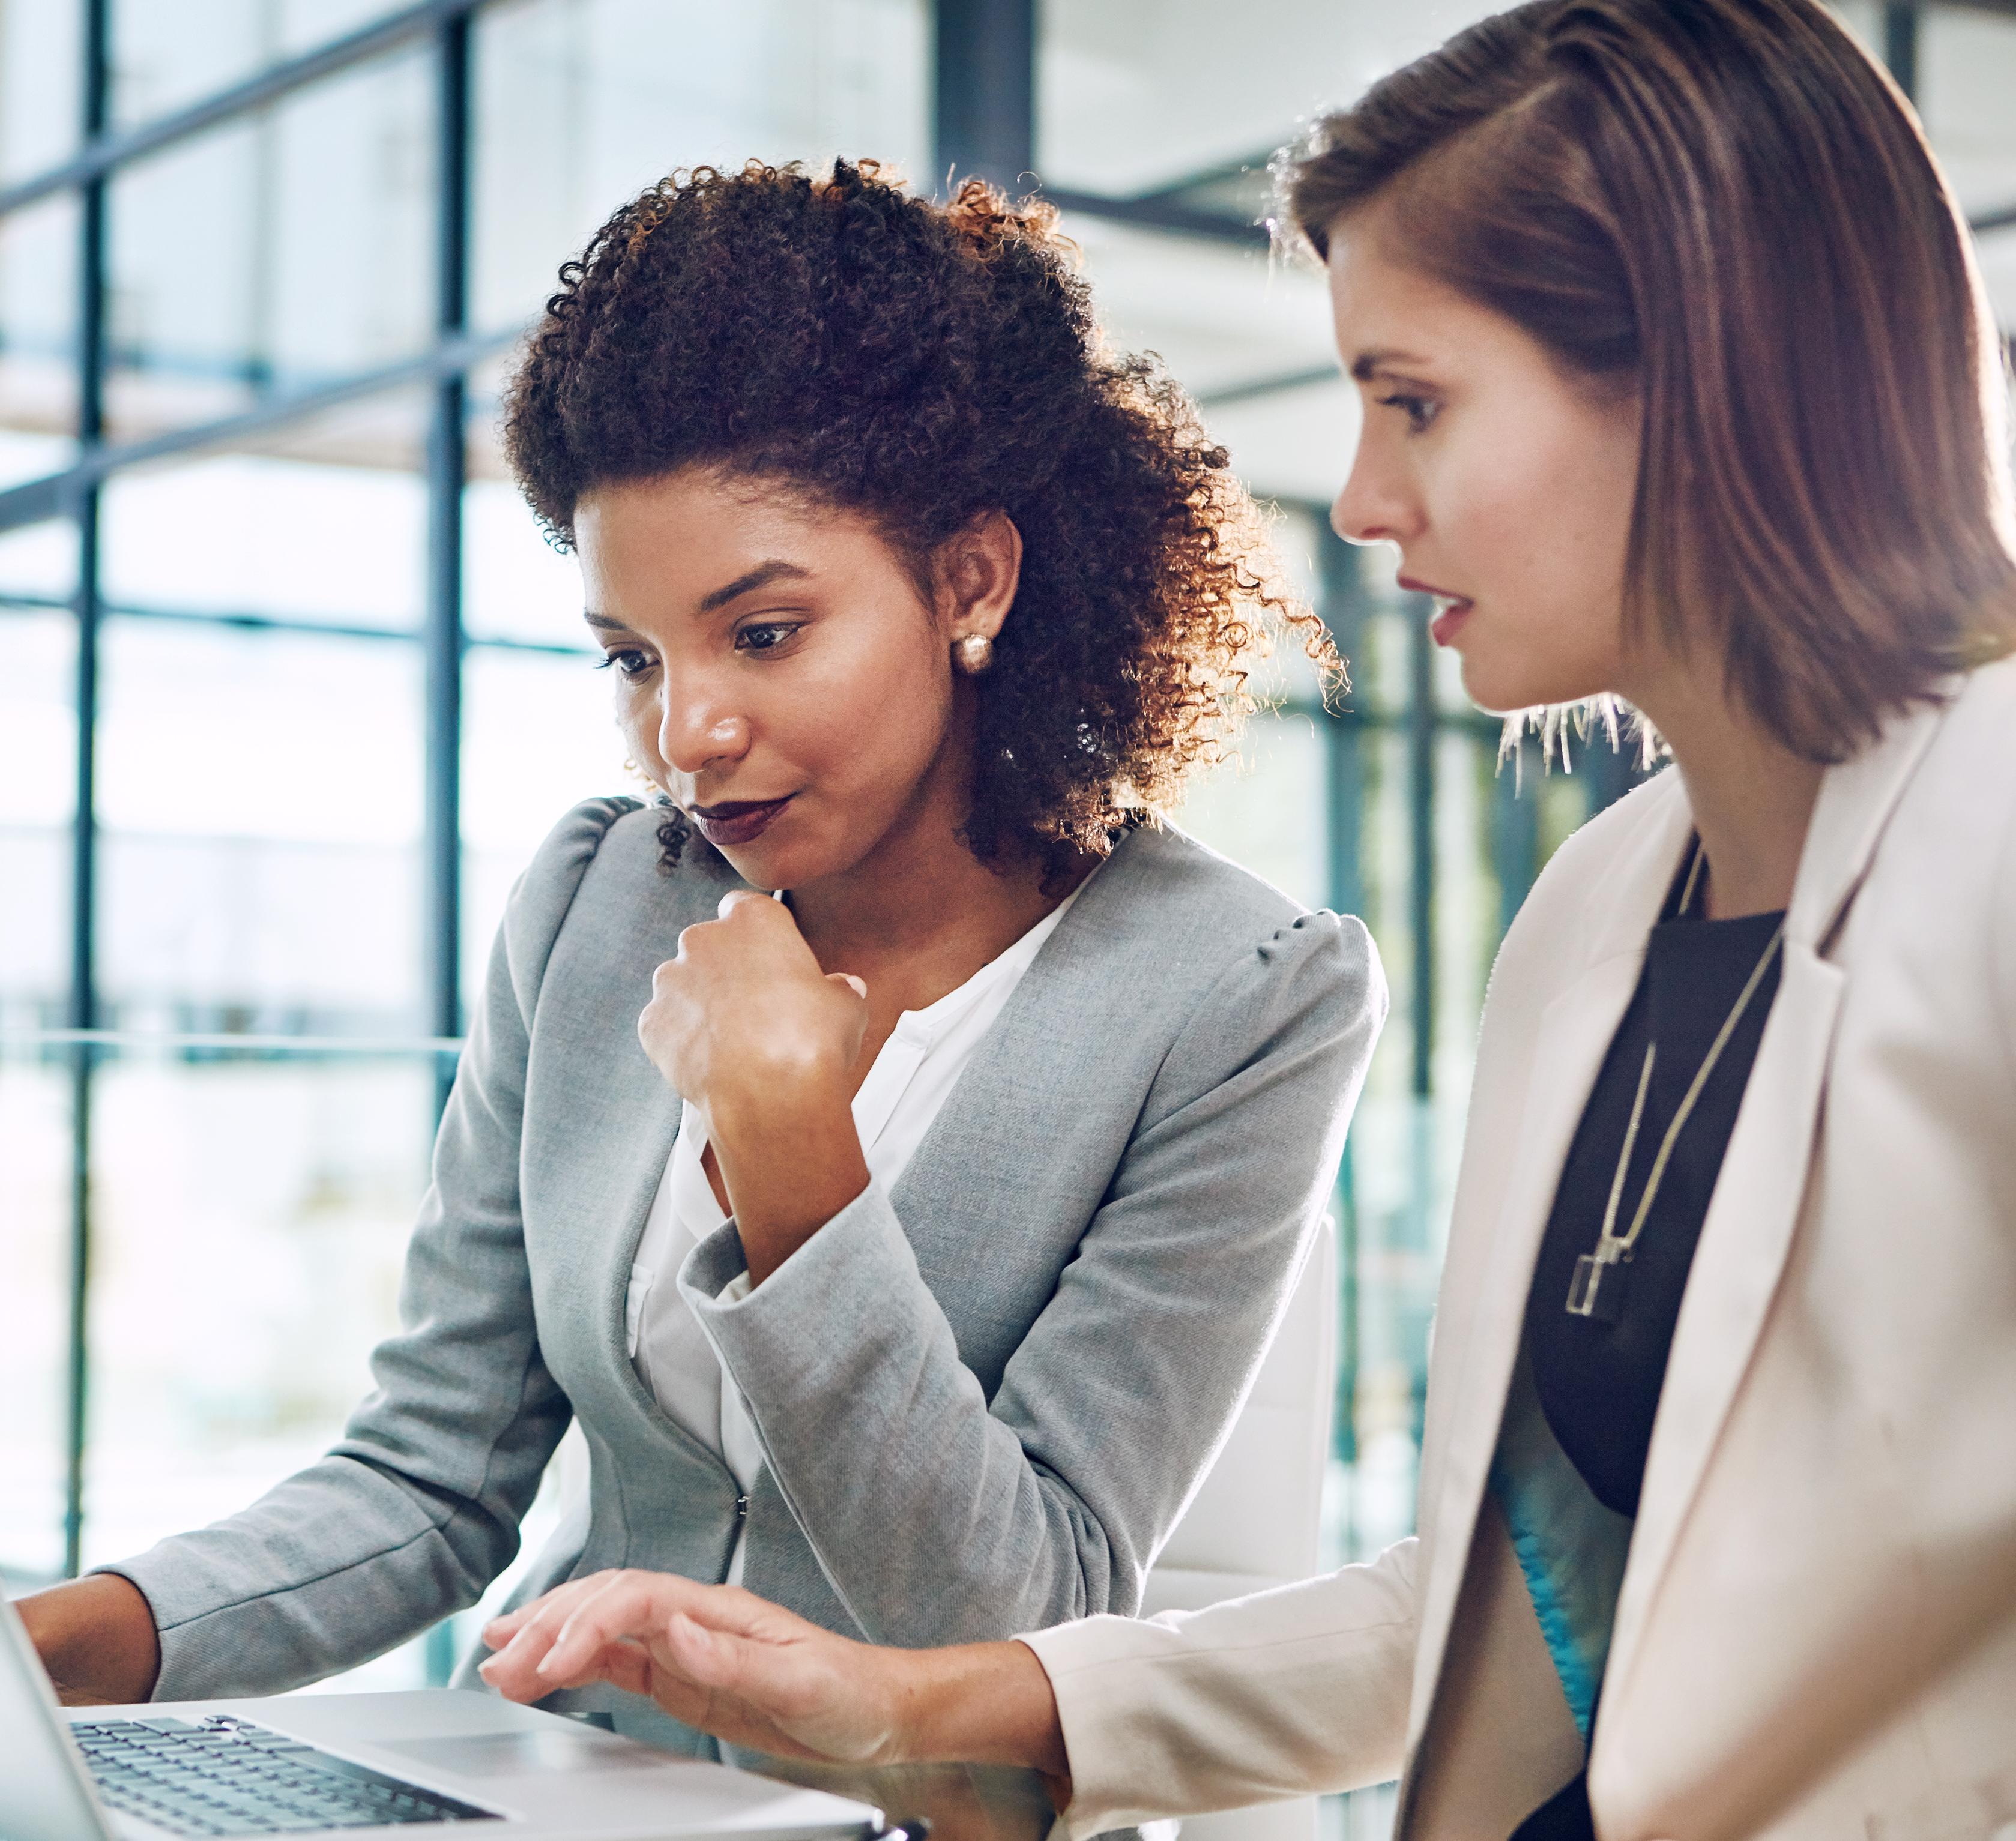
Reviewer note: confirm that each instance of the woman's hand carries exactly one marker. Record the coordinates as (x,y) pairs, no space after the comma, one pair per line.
(714,1656)
(722,1659)
(745,1026)
(745,1014)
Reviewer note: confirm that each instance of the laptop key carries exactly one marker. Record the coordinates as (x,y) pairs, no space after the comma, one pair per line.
(228,1778)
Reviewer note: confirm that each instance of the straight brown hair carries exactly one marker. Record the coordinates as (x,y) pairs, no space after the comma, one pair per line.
(1727,206)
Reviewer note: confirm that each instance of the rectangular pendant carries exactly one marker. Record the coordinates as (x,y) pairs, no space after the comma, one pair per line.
(1596,1290)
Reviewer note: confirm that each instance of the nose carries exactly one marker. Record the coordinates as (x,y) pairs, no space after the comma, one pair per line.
(1375,506)
(695,731)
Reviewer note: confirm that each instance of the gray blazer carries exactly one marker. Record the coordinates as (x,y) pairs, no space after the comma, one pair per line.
(984,1397)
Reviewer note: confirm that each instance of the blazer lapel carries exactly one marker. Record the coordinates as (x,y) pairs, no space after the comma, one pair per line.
(1484,1326)
(590,1187)
(1755,1209)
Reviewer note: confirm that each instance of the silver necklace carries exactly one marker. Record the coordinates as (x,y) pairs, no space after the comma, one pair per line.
(1597,1289)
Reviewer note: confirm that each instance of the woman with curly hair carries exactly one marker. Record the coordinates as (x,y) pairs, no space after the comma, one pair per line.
(910,1255)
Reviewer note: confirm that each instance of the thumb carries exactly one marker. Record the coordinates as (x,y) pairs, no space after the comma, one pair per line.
(707,1657)
(848,978)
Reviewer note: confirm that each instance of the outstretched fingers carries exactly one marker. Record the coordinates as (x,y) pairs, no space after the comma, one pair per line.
(714,1656)
(564,1638)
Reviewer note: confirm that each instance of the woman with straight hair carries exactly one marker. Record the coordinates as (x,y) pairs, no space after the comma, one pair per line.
(905,1244)
(1680,388)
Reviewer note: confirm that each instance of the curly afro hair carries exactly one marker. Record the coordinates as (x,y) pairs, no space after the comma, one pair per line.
(924,364)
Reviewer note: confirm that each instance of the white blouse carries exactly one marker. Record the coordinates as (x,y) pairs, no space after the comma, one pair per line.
(911,1078)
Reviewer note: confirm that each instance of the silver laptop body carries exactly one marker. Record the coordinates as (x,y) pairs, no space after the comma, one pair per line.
(433,1760)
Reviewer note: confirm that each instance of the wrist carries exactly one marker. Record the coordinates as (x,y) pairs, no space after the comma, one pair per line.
(96,1637)
(761,1115)
(789,1165)
(976,1703)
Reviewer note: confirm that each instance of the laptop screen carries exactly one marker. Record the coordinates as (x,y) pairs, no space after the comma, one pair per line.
(44,1795)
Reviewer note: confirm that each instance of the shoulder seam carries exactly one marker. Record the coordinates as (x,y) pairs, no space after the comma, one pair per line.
(617,807)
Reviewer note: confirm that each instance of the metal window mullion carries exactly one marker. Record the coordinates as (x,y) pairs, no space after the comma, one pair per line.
(443,639)
(84,1001)
(1515,828)
(1900,45)
(442,635)
(1344,609)
(36,500)
(1421,727)
(984,90)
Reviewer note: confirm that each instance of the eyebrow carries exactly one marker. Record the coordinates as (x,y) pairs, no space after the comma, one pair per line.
(1366,363)
(761,576)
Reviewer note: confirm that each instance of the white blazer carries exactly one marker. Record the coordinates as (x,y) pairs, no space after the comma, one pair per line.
(1817,1634)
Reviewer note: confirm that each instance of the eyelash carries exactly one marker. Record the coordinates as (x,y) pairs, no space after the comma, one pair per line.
(785,628)
(1420,410)
(632,672)
(617,658)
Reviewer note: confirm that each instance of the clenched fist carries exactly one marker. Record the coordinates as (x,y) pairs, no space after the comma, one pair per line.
(746,1028)
(744,1012)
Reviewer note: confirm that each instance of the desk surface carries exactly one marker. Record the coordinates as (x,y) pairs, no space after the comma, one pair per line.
(961,1802)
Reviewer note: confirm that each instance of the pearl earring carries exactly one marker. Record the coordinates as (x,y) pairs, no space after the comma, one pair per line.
(973,653)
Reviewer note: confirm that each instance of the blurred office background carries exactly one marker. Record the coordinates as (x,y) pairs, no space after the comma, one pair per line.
(290,687)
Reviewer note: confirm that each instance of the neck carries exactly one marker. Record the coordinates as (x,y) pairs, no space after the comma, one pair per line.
(1752,796)
(912,896)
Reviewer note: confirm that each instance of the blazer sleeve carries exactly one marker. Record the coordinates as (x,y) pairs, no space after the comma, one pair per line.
(1301,1690)
(416,1510)
(979,1518)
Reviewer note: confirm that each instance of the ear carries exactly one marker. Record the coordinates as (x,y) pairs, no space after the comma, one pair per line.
(979,570)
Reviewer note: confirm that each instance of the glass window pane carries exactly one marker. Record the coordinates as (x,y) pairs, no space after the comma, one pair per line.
(38,266)
(38,757)
(159,64)
(34,1308)
(41,105)
(37,789)
(582,103)
(249,1221)
(1264,808)
(1137,95)
(515,584)
(1966,75)
(275,253)
(539,730)
(1248,336)
(538,736)
(38,565)
(323,522)
(260,785)
(260,819)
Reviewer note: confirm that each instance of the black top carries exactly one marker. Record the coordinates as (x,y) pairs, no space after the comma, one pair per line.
(1599,1376)
(1599,1380)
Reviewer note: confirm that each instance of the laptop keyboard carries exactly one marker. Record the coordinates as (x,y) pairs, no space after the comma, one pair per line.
(228,1777)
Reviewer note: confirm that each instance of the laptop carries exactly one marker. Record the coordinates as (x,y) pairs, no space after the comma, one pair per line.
(459,1765)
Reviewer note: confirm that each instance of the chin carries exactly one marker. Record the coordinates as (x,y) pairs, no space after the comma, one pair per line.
(762,869)
(771,864)
(1501,688)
